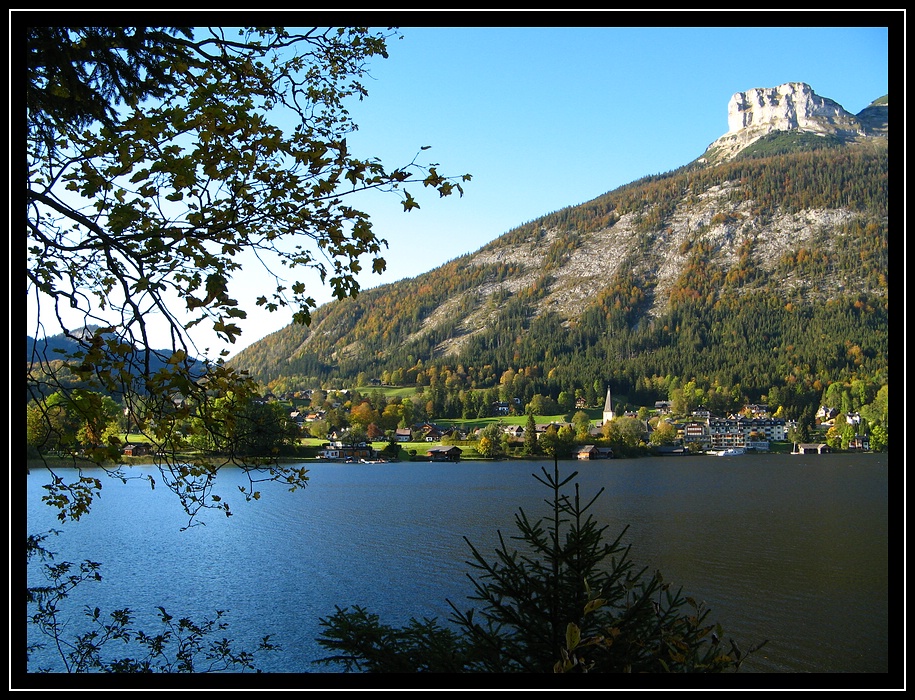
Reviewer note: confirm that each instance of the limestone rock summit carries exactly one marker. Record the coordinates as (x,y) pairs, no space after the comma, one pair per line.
(790,107)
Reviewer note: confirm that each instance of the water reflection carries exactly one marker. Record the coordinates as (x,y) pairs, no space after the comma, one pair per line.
(792,549)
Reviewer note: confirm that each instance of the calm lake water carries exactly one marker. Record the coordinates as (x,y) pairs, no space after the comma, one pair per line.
(793,549)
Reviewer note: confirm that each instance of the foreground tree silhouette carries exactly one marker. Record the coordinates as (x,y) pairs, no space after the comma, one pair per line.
(157,158)
(567,601)
(113,643)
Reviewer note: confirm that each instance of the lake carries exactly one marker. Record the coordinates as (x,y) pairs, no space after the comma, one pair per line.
(793,549)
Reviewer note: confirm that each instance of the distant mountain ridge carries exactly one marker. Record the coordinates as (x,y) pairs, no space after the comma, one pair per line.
(57,347)
(787,209)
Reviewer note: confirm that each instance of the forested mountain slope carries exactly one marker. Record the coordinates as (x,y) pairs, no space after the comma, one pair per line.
(766,270)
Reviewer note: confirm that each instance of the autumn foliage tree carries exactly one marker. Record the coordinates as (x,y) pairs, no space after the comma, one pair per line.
(157,158)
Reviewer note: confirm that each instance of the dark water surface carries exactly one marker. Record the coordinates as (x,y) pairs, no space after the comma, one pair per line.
(793,549)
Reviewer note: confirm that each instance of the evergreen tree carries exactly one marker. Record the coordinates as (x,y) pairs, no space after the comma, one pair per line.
(569,601)
(530,436)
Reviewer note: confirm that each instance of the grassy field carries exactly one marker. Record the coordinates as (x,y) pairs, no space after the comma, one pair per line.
(403,392)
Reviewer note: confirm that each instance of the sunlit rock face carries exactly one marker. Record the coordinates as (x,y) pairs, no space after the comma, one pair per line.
(788,106)
(793,106)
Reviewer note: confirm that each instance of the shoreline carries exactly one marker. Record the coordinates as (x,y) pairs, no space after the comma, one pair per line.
(54,463)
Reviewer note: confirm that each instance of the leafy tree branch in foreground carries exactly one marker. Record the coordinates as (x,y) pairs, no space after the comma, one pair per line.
(158,159)
(114,643)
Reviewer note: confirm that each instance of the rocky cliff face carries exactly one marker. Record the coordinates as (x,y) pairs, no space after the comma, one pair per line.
(789,107)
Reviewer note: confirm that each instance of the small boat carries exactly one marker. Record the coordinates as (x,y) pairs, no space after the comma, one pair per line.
(730,452)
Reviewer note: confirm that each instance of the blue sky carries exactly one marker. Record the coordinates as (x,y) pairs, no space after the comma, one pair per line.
(548,117)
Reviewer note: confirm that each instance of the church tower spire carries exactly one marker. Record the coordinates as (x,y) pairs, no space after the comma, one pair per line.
(608,408)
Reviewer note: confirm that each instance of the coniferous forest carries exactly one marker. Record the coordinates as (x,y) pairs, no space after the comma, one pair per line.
(738,331)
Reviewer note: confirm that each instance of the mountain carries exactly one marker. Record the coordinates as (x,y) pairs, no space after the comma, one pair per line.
(792,108)
(57,347)
(763,263)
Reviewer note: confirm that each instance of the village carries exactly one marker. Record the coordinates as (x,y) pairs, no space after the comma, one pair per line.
(751,430)
(340,429)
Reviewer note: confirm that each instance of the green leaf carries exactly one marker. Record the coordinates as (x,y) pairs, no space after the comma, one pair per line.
(573,636)
(408,202)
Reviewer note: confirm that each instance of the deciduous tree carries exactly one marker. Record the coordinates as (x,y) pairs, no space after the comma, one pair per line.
(663,433)
(161,157)
(490,442)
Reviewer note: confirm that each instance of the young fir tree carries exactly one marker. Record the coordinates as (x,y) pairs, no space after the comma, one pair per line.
(567,601)
(530,436)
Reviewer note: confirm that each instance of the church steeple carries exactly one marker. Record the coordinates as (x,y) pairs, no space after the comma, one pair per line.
(608,408)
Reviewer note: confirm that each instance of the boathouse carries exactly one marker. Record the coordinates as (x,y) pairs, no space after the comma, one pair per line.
(588,452)
(444,454)
(809,448)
